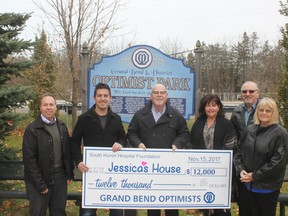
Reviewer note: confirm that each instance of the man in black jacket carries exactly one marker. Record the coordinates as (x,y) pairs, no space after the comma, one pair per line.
(47,161)
(242,116)
(158,125)
(99,127)
(244,113)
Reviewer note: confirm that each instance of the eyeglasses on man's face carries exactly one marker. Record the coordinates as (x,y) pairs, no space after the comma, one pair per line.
(159,92)
(248,91)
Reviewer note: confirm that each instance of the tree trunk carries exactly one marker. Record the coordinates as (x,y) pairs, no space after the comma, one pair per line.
(75,88)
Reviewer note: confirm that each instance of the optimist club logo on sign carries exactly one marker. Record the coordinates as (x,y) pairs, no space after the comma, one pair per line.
(142,58)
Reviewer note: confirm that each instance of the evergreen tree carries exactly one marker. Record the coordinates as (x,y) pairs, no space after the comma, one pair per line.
(242,58)
(11,47)
(42,75)
(190,60)
(283,83)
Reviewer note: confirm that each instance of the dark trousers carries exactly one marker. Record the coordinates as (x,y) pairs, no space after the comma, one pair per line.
(55,199)
(92,212)
(257,204)
(242,199)
(217,212)
(130,212)
(173,212)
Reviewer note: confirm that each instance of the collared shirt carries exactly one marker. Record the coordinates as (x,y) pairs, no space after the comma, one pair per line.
(157,114)
(248,113)
(47,121)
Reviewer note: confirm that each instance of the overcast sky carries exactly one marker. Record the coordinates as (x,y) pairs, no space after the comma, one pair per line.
(185,21)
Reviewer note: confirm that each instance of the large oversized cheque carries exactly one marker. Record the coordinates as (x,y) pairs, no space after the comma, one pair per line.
(156,178)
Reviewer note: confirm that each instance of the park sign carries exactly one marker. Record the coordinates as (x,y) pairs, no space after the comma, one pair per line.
(132,73)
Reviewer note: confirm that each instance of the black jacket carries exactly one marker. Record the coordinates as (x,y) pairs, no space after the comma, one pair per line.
(263,151)
(224,134)
(238,118)
(88,128)
(170,129)
(38,154)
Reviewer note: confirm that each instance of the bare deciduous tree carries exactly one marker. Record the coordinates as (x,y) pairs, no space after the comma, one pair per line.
(171,47)
(78,21)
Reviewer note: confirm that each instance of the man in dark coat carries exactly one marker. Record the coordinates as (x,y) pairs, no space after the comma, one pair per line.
(158,125)
(99,127)
(241,117)
(47,161)
(244,113)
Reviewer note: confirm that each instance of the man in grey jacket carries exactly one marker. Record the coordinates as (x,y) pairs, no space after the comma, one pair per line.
(158,125)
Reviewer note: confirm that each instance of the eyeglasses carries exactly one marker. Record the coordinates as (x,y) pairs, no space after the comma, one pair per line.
(159,92)
(250,91)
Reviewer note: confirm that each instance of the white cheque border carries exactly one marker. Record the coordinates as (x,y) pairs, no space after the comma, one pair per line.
(157,178)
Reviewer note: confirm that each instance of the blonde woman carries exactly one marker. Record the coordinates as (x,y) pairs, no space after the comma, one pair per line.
(260,160)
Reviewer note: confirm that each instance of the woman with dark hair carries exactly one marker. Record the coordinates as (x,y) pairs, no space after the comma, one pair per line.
(212,130)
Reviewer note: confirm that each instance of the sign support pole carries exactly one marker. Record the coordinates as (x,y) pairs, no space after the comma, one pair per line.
(84,83)
(198,70)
